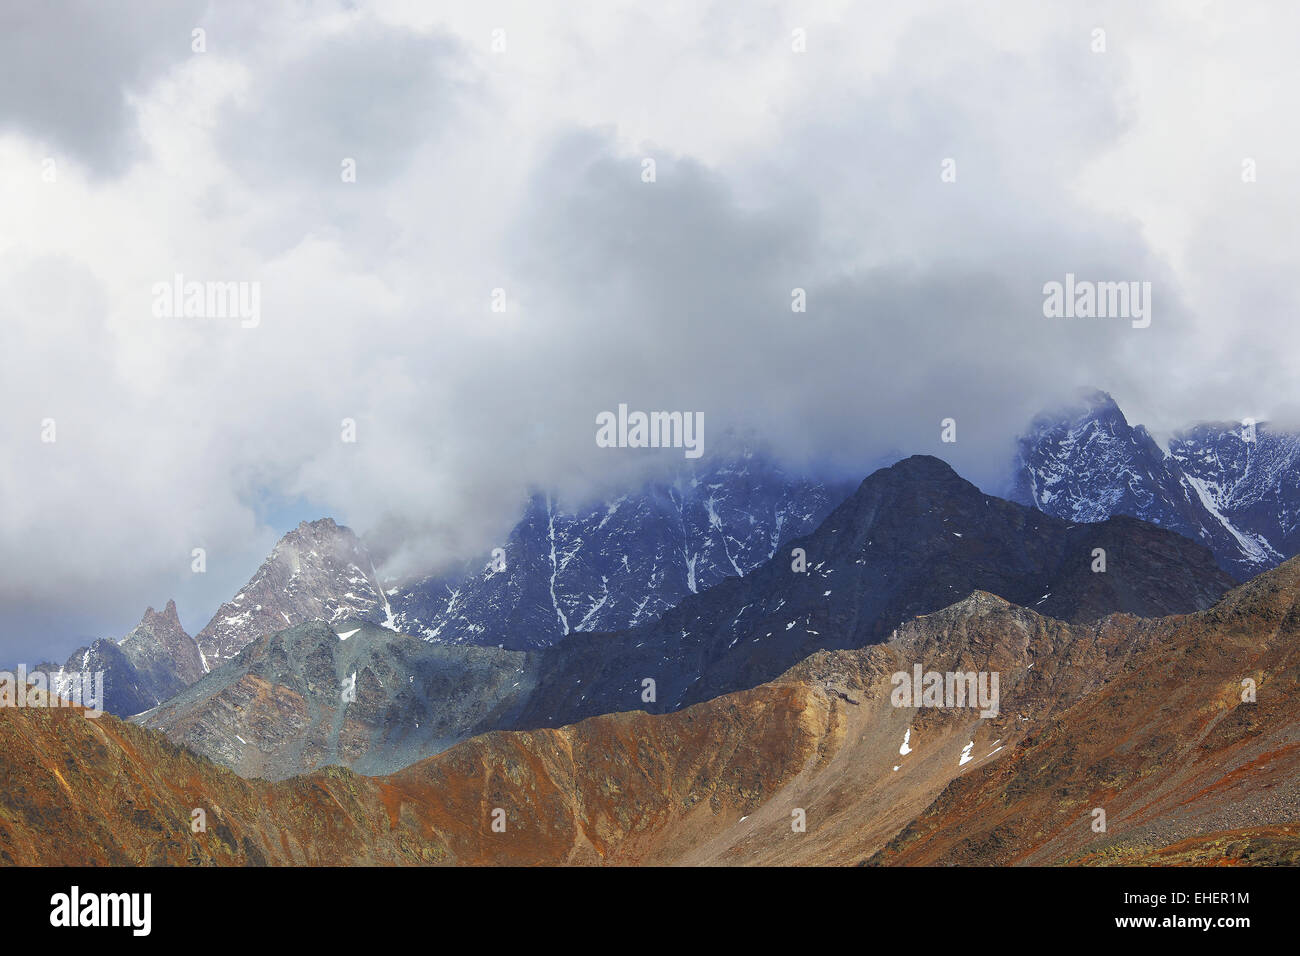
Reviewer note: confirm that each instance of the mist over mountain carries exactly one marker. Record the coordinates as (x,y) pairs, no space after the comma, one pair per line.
(684,434)
(622,562)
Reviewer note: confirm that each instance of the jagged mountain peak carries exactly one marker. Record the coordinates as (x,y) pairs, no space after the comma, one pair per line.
(1093,401)
(320,570)
(320,526)
(323,532)
(1086,405)
(153,661)
(167,617)
(1229,485)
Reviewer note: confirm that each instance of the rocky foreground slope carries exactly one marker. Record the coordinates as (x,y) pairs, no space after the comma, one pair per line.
(1142,719)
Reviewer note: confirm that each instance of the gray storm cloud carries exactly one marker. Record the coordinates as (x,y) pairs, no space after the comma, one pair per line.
(521,171)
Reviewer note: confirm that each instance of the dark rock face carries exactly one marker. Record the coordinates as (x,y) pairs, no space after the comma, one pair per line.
(1235,489)
(621,563)
(914,538)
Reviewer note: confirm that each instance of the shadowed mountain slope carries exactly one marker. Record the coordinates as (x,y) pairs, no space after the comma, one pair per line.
(913,538)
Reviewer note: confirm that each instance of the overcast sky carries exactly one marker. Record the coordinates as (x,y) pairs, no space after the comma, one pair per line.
(126,158)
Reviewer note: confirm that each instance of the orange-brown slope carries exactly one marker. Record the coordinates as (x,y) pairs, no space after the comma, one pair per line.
(1252,846)
(79,790)
(100,791)
(1166,748)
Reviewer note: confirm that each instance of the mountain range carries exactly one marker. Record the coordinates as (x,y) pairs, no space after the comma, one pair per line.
(1145,726)
(612,566)
(1233,486)
(602,566)
(617,564)
(911,539)
(752,630)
